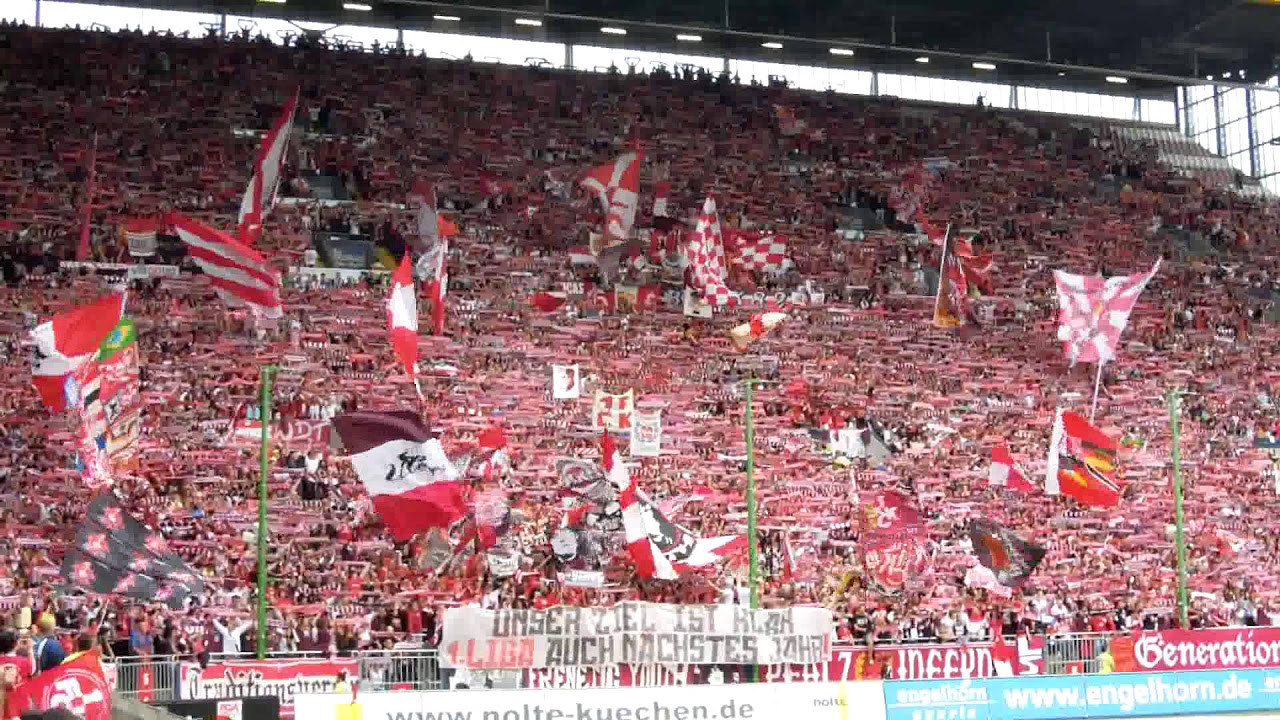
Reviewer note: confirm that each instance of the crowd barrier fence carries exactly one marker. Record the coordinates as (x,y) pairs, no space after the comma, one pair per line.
(162,678)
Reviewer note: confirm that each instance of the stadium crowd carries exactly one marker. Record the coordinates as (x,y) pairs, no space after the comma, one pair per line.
(504,146)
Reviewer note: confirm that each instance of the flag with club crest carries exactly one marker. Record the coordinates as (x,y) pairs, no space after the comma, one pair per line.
(646,433)
(77,686)
(1093,312)
(114,553)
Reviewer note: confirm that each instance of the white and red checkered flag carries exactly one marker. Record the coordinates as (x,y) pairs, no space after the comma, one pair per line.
(658,547)
(756,252)
(1093,312)
(705,250)
(617,184)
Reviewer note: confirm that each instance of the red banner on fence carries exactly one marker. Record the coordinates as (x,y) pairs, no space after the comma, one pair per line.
(1208,649)
(848,663)
(253,678)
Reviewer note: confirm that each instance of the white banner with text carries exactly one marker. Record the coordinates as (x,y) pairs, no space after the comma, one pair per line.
(635,632)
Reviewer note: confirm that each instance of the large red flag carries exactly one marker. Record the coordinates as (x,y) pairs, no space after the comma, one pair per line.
(77,685)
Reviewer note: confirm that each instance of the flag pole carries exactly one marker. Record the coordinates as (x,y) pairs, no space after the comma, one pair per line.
(1174,398)
(942,269)
(1097,383)
(266,372)
(752,550)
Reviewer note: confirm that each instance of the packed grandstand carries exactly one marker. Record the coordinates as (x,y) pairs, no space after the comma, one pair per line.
(854,190)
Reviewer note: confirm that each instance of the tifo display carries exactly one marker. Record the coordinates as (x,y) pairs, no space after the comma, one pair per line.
(358,373)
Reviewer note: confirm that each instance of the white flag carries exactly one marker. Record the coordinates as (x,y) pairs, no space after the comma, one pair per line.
(612,412)
(566,382)
(646,433)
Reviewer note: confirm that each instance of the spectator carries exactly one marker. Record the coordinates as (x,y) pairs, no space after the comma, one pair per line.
(47,650)
(15,656)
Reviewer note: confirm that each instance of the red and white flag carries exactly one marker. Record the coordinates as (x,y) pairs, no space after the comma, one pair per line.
(1005,472)
(66,342)
(658,547)
(261,193)
(617,184)
(402,317)
(424,195)
(661,191)
(1093,312)
(705,250)
(236,271)
(412,483)
(758,253)
(744,335)
(78,685)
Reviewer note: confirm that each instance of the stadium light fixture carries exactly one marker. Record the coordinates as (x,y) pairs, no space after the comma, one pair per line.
(361,7)
(772,45)
(841,51)
(923,60)
(274,2)
(447,18)
(528,22)
(613,30)
(689,38)
(1117,79)
(983,66)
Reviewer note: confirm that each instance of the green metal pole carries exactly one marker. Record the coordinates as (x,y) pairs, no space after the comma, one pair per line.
(752,550)
(753,553)
(1175,438)
(266,372)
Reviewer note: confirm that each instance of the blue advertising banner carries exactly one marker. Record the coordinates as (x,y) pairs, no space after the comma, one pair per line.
(1064,697)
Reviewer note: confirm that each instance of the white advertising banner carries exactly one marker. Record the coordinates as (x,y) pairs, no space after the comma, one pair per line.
(635,632)
(811,701)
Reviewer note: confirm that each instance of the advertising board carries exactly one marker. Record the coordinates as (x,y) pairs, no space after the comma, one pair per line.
(1060,697)
(812,701)
(258,678)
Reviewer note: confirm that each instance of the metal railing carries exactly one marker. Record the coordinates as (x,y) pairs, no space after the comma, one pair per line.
(158,678)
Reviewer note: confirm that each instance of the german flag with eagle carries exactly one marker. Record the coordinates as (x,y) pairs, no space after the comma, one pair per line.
(1082,462)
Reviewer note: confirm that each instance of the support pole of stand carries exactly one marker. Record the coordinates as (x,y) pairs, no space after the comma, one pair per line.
(266,372)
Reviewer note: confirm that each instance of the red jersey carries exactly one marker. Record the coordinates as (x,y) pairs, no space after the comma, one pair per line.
(20,663)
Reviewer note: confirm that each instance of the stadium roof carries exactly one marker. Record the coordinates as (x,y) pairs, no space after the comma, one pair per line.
(1176,38)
